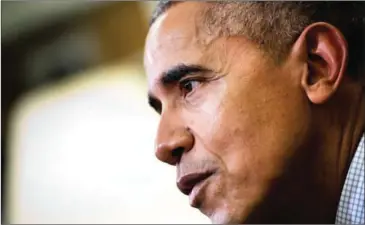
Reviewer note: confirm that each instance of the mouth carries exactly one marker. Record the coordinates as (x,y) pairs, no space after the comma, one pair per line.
(189,181)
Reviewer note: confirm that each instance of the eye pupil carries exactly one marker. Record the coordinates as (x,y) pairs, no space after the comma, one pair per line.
(188,86)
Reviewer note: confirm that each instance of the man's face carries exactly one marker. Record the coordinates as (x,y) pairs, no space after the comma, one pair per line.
(232,121)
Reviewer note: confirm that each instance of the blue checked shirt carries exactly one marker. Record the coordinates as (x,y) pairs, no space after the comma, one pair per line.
(351,206)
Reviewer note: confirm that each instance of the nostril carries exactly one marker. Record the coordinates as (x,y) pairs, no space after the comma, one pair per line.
(177,152)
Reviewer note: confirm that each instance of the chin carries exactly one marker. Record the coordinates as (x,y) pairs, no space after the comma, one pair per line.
(220,218)
(223,217)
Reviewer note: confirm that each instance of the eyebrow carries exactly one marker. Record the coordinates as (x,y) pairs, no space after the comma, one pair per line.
(172,76)
(178,72)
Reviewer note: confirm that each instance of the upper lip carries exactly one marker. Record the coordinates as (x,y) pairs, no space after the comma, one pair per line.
(187,182)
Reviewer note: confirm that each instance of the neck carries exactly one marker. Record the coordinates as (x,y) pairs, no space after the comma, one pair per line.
(340,126)
(317,173)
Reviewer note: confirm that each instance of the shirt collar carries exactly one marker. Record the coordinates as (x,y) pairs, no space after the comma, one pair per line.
(351,206)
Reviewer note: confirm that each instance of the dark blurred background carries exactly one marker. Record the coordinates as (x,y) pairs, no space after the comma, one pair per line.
(73,107)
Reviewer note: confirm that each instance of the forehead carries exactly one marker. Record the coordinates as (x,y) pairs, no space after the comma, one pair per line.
(176,37)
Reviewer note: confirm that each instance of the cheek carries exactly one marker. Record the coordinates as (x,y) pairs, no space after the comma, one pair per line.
(258,128)
(255,134)
(204,118)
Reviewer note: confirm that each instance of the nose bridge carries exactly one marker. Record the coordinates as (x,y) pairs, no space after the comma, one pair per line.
(173,139)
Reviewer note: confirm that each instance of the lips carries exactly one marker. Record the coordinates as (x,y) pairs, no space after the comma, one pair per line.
(186,183)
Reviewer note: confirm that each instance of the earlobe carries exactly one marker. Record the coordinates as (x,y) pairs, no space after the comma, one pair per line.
(326,56)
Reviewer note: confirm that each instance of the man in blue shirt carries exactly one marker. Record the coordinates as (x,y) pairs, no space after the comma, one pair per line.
(262,107)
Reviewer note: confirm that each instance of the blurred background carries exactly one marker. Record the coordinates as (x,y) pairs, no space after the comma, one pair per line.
(77,134)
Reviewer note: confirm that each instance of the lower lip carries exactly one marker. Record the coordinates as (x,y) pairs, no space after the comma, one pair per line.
(194,194)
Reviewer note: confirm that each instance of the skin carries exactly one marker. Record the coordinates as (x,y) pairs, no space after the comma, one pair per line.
(280,138)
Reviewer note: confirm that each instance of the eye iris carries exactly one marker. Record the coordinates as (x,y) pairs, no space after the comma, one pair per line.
(188,86)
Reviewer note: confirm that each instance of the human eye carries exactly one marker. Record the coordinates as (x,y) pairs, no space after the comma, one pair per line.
(188,86)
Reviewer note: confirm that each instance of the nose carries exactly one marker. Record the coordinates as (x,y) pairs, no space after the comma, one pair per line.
(172,141)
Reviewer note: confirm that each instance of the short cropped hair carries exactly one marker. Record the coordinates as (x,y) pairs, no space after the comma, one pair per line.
(276,25)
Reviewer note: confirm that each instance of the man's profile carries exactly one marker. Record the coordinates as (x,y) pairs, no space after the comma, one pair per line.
(262,107)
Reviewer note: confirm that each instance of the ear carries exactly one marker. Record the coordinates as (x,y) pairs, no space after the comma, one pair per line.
(324,49)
